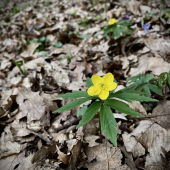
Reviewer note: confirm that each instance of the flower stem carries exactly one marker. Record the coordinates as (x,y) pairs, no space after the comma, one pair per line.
(100,129)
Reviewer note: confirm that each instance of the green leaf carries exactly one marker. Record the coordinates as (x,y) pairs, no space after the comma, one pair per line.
(121,107)
(74,94)
(89,82)
(82,111)
(128,97)
(133,79)
(42,38)
(154,88)
(58,44)
(89,114)
(84,36)
(134,85)
(44,53)
(140,87)
(108,124)
(73,104)
(169,79)
(117,32)
(147,91)
(128,90)
(147,78)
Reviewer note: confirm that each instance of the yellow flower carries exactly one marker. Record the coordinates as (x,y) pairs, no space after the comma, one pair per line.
(102,86)
(112,21)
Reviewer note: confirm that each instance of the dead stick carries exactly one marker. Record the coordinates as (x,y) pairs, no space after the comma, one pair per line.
(74,122)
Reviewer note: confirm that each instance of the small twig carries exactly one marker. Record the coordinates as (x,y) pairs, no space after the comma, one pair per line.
(141,118)
(74,122)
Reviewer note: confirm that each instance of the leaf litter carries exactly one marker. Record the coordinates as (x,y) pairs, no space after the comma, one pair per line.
(58,45)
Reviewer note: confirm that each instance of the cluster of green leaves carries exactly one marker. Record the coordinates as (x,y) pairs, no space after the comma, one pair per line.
(144,83)
(19,64)
(107,120)
(163,79)
(58,44)
(166,14)
(43,43)
(118,29)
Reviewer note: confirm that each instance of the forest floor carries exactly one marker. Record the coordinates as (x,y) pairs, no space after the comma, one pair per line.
(49,48)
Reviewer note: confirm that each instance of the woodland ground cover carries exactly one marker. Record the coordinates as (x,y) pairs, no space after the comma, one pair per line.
(50,48)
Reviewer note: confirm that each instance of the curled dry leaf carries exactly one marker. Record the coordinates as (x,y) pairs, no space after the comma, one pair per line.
(63,157)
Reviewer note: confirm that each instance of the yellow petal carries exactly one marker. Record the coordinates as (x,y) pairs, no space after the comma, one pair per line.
(108,78)
(104,94)
(96,79)
(111,86)
(112,21)
(93,90)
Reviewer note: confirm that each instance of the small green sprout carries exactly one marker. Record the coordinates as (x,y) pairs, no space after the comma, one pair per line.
(19,64)
(101,91)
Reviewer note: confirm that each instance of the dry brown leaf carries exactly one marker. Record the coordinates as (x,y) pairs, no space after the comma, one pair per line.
(63,157)
(157,65)
(19,161)
(9,148)
(134,7)
(29,51)
(106,156)
(75,155)
(33,106)
(163,110)
(91,140)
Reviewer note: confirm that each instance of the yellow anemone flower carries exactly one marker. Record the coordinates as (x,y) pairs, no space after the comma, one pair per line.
(112,21)
(102,86)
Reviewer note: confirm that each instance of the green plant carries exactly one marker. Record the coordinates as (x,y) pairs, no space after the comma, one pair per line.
(19,64)
(101,91)
(117,29)
(163,79)
(68,58)
(42,41)
(144,83)
(58,44)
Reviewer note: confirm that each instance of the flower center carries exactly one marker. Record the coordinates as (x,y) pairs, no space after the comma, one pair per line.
(101,85)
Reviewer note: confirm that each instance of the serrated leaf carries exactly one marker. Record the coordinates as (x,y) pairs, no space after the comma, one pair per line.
(90,112)
(146,91)
(154,88)
(108,124)
(121,107)
(73,104)
(74,94)
(133,79)
(147,78)
(133,86)
(82,111)
(89,82)
(128,97)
